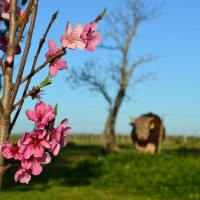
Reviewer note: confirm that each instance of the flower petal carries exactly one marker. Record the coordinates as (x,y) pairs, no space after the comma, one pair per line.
(36,168)
(45,159)
(31,115)
(22,175)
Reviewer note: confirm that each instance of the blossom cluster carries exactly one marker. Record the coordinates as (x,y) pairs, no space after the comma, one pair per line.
(80,37)
(33,149)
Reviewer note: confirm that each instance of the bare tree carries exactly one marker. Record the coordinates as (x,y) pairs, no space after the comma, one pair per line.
(123,25)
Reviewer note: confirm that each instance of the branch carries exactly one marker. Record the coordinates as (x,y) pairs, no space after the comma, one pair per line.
(100,17)
(25,54)
(42,41)
(85,78)
(144,77)
(109,47)
(33,72)
(12,28)
(25,18)
(97,86)
(10,52)
(49,60)
(5,116)
(140,61)
(30,93)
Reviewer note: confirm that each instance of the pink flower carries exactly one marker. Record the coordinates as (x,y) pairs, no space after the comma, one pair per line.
(35,164)
(23,176)
(42,114)
(45,159)
(13,151)
(53,49)
(90,37)
(9,59)
(58,137)
(55,147)
(35,143)
(5,9)
(57,64)
(4,45)
(71,39)
(61,132)
(32,164)
(30,149)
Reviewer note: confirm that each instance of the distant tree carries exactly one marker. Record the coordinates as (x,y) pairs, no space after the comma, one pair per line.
(123,25)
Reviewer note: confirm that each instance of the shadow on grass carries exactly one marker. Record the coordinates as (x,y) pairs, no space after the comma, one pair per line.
(75,166)
(78,165)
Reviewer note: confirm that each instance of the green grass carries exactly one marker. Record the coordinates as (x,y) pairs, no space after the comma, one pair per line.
(81,173)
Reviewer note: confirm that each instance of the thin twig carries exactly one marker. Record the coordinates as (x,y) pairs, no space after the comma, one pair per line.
(24,22)
(49,60)
(25,53)
(38,51)
(23,61)
(7,167)
(100,17)
(25,96)
(21,101)
(109,47)
(42,41)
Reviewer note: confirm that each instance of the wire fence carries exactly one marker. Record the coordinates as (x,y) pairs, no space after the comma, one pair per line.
(175,124)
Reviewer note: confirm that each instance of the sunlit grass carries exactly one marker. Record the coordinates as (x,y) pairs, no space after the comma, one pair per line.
(80,172)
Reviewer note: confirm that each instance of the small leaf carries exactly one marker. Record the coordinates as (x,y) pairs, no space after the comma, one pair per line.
(55,108)
(46,81)
(103,12)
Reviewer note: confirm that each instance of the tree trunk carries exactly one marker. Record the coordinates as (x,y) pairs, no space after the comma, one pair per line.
(109,143)
(109,139)
(4,133)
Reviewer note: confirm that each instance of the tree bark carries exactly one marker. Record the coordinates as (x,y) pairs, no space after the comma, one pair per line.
(109,136)
(4,133)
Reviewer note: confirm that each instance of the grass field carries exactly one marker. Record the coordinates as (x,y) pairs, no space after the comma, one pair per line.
(81,173)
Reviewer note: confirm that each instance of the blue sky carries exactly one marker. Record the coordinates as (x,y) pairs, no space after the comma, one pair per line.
(174,95)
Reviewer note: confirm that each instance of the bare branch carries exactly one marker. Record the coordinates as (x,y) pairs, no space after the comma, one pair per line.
(42,41)
(30,93)
(100,17)
(140,61)
(5,116)
(89,78)
(144,77)
(49,60)
(10,52)
(24,22)
(33,72)
(23,62)
(109,47)
(123,25)
(25,53)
